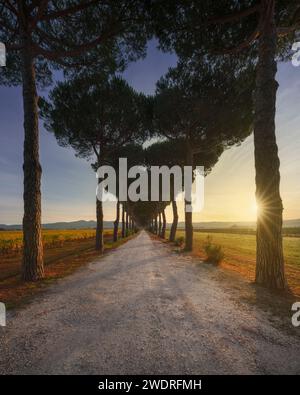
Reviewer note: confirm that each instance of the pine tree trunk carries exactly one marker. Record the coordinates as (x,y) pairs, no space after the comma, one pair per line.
(127,223)
(175,221)
(159,224)
(123,222)
(99,226)
(188,215)
(32,264)
(116,223)
(269,254)
(188,232)
(164,225)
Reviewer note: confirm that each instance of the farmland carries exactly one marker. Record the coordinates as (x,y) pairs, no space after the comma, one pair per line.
(58,245)
(239,252)
(65,251)
(12,241)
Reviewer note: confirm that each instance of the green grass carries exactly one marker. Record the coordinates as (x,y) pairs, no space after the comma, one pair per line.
(240,253)
(293,232)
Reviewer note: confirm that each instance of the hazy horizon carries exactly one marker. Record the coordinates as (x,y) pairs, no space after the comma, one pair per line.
(169,222)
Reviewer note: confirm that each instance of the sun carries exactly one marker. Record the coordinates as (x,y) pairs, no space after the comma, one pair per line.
(255,208)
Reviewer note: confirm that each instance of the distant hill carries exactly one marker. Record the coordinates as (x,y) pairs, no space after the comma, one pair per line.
(292,223)
(63,225)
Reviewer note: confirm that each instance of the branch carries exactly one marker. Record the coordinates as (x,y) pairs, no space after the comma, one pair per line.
(13,47)
(96,152)
(41,9)
(67,11)
(7,26)
(245,44)
(254,36)
(236,16)
(296,15)
(48,37)
(54,55)
(21,12)
(197,151)
(75,51)
(284,31)
(10,7)
(168,136)
(34,4)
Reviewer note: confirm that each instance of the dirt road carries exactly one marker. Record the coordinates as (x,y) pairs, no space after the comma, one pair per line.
(143,309)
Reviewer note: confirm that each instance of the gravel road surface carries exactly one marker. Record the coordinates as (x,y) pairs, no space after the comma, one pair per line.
(143,309)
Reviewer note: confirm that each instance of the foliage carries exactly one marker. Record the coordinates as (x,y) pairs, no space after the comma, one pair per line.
(94,115)
(179,242)
(165,153)
(214,252)
(72,35)
(193,28)
(209,102)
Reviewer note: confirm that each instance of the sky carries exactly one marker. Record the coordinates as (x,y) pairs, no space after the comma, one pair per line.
(69,184)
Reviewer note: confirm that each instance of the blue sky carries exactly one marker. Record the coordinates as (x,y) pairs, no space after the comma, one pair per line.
(68,183)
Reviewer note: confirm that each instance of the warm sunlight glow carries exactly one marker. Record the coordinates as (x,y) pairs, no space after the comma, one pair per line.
(255,208)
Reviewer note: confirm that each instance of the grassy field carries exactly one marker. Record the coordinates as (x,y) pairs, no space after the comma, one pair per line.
(293,232)
(12,241)
(239,252)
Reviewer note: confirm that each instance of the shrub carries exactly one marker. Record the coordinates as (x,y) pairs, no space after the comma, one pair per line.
(179,242)
(214,252)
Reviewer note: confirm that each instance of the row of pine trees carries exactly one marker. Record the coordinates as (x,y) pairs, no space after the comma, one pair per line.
(223,88)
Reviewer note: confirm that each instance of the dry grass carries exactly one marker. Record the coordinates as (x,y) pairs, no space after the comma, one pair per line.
(239,253)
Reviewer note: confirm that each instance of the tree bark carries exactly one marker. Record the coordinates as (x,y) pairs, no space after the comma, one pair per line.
(155,225)
(159,224)
(99,226)
(123,222)
(175,221)
(164,225)
(116,223)
(131,223)
(188,231)
(127,223)
(269,253)
(188,215)
(32,263)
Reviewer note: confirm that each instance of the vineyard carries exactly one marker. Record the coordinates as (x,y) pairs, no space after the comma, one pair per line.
(11,242)
(65,246)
